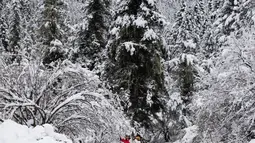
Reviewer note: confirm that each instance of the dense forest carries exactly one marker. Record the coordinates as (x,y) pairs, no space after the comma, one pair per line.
(173,71)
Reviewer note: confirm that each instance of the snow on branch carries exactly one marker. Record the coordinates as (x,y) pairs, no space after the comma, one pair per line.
(150,35)
(189,59)
(131,47)
(140,22)
(69,97)
(67,101)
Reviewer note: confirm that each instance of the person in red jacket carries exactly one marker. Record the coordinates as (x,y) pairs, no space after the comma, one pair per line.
(126,139)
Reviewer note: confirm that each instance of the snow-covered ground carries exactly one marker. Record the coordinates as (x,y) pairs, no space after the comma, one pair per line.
(11,132)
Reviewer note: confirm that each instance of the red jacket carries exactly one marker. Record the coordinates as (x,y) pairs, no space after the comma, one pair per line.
(124,140)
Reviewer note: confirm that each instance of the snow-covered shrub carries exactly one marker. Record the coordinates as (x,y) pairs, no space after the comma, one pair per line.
(226,109)
(70,97)
(11,132)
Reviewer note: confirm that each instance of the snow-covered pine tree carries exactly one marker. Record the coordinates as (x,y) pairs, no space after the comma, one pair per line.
(199,20)
(179,18)
(204,16)
(224,17)
(210,5)
(52,30)
(14,33)
(28,32)
(135,51)
(3,36)
(184,38)
(3,27)
(185,43)
(213,9)
(217,4)
(184,50)
(208,44)
(231,15)
(92,39)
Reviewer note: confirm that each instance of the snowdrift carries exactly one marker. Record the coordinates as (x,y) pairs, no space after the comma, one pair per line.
(11,132)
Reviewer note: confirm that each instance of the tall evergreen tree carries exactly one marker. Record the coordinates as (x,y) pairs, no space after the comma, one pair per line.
(184,37)
(204,16)
(199,19)
(52,30)
(15,30)
(208,44)
(135,51)
(231,15)
(3,26)
(184,48)
(224,18)
(3,36)
(28,25)
(93,39)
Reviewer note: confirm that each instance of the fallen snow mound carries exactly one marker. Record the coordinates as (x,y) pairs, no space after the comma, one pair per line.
(11,132)
(191,133)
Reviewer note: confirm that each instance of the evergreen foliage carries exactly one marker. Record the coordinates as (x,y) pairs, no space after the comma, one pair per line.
(231,15)
(135,52)
(92,39)
(52,30)
(3,27)
(3,36)
(185,40)
(15,30)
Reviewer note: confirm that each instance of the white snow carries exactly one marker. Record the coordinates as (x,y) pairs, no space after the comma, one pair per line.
(189,58)
(226,52)
(124,20)
(11,132)
(140,22)
(77,96)
(56,42)
(175,100)
(230,19)
(189,43)
(114,31)
(252,141)
(151,2)
(130,47)
(191,133)
(47,24)
(174,62)
(150,35)
(224,75)
(245,69)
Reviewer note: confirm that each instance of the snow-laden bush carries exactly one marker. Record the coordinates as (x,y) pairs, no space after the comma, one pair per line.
(226,109)
(12,132)
(70,97)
